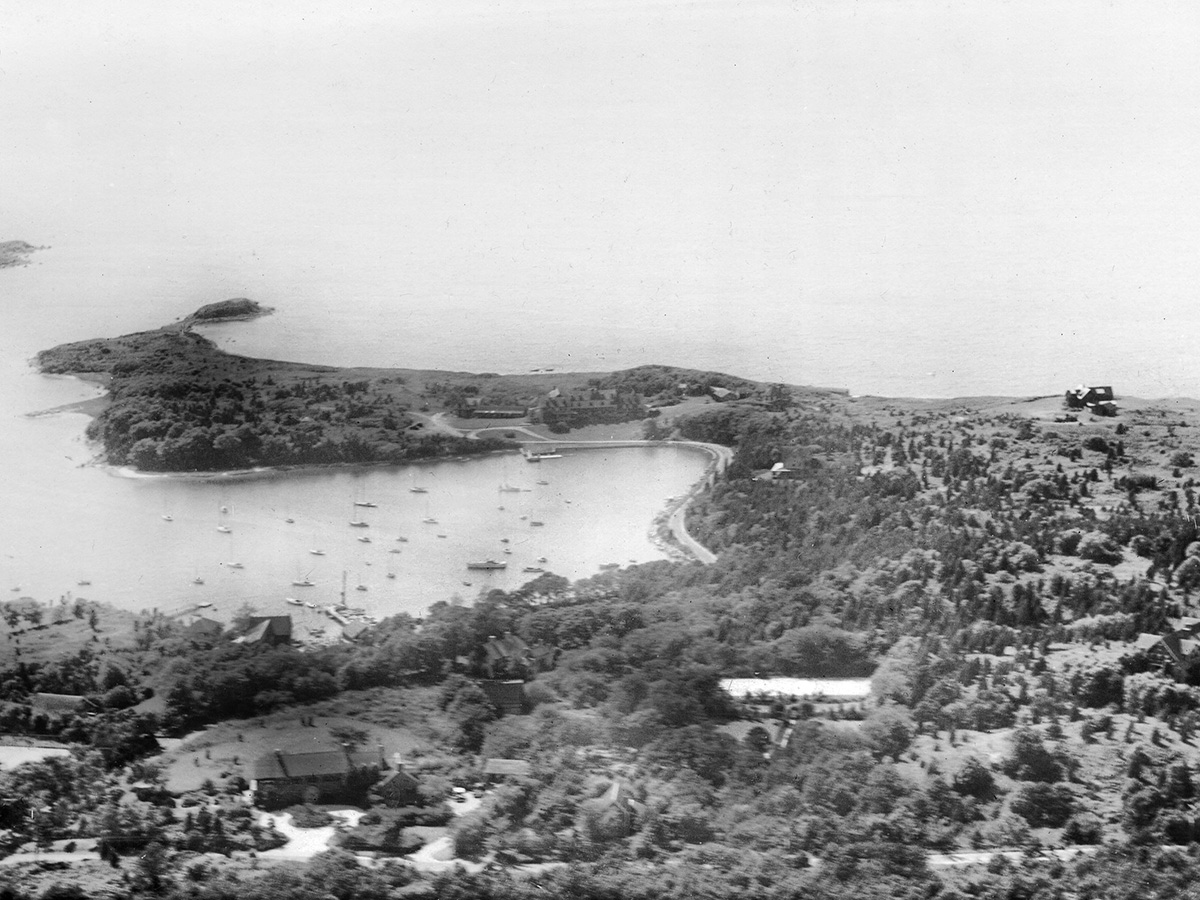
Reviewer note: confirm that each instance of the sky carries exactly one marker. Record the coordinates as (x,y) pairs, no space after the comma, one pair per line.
(1009,165)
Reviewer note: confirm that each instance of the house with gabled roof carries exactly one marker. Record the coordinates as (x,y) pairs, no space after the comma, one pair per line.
(270,631)
(315,776)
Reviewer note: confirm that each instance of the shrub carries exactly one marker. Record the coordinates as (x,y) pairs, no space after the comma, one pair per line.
(309,816)
(1099,548)
(1181,459)
(1083,828)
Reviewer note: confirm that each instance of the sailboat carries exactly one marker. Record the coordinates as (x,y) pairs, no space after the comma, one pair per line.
(306,581)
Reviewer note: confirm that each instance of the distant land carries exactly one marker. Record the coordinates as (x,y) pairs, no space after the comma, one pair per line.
(15,253)
(178,403)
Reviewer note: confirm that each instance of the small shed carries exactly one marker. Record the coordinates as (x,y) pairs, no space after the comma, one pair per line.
(506,696)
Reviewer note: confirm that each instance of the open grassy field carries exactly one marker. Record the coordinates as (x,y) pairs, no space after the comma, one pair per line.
(230,748)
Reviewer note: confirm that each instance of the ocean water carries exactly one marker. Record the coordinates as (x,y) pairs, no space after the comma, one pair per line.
(899,199)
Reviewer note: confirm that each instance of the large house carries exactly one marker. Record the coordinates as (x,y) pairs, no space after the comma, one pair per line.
(1172,649)
(1098,398)
(508,656)
(598,404)
(320,776)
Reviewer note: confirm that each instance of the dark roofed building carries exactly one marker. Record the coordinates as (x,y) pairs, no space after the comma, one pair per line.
(397,788)
(1098,398)
(505,656)
(317,776)
(506,696)
(268,630)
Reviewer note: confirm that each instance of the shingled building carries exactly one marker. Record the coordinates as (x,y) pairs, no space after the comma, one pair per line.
(321,776)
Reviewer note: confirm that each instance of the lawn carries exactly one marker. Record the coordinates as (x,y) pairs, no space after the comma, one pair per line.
(231,748)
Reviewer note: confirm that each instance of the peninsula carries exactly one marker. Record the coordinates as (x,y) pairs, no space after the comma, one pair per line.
(178,403)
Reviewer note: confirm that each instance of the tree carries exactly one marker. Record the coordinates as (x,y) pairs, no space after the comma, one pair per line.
(758,739)
(974,779)
(890,730)
(1031,761)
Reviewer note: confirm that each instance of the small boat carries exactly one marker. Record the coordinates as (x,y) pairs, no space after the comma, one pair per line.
(361,587)
(533,569)
(83,583)
(429,520)
(304,582)
(506,550)
(197,580)
(204,605)
(501,508)
(15,589)
(466,584)
(290,521)
(536,524)
(391,574)
(235,565)
(293,601)
(533,456)
(168,518)
(608,567)
(367,504)
(402,539)
(358,523)
(317,552)
(224,529)
(364,540)
(509,489)
(487,564)
(418,490)
(543,482)
(310,605)
(504,540)
(542,559)
(441,535)
(224,509)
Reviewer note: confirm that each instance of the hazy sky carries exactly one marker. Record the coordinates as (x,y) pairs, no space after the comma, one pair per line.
(1008,162)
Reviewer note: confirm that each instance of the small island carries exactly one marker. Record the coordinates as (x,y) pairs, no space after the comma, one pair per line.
(237,309)
(15,253)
